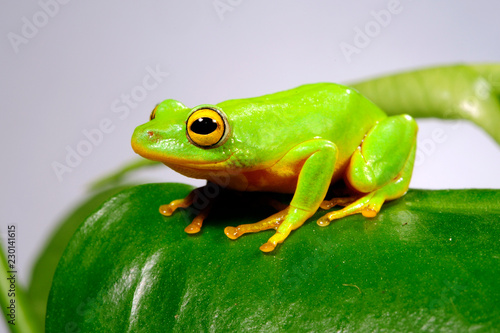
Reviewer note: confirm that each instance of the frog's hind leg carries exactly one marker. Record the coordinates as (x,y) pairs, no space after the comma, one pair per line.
(380,169)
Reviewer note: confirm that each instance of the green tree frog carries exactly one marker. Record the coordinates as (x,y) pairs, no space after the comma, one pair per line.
(297,141)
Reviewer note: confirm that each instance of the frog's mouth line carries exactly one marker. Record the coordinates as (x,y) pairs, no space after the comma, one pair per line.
(176,161)
(195,164)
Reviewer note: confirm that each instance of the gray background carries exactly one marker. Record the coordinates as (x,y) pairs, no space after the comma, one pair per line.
(68,74)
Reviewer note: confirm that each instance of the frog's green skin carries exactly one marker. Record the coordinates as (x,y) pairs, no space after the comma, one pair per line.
(296,141)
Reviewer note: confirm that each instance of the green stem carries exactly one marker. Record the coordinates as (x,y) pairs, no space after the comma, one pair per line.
(21,320)
(469,92)
(117,176)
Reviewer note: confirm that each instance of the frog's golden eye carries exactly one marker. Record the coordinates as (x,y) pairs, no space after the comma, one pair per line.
(207,128)
(153,113)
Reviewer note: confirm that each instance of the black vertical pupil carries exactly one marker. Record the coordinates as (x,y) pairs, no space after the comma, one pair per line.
(204,125)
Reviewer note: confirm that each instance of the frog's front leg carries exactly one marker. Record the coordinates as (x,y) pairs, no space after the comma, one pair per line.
(194,196)
(318,157)
(381,168)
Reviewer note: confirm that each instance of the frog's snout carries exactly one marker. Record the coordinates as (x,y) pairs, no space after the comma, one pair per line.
(151,136)
(141,139)
(143,135)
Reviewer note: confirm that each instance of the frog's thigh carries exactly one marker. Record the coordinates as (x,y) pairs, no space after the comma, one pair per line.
(313,182)
(366,173)
(383,154)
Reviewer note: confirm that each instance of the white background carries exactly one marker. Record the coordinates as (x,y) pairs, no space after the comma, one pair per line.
(67,75)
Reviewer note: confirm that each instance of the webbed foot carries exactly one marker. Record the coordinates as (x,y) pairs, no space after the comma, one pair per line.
(272,222)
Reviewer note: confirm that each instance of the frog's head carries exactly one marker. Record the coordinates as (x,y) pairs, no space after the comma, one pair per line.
(177,135)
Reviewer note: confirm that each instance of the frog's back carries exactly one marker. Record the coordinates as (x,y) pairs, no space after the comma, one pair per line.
(325,90)
(328,100)
(275,123)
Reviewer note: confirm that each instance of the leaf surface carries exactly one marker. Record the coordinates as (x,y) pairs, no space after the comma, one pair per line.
(46,263)
(429,261)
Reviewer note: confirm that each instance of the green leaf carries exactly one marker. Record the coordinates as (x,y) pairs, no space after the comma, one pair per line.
(45,265)
(429,261)
(16,309)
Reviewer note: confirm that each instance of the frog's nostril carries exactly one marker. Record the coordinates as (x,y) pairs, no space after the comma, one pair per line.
(150,133)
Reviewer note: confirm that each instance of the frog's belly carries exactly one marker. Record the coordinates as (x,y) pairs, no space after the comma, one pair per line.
(280,178)
(268,181)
